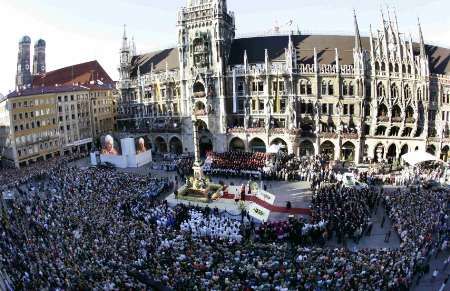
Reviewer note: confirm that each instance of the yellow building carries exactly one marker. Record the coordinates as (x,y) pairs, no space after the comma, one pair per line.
(39,123)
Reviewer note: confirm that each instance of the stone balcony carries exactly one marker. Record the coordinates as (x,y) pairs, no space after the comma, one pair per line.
(248,130)
(349,135)
(200,94)
(294,131)
(328,135)
(165,130)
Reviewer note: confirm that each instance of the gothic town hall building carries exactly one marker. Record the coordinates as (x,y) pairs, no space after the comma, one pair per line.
(354,98)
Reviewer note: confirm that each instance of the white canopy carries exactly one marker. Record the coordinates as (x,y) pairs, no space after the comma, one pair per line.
(417,157)
(275,148)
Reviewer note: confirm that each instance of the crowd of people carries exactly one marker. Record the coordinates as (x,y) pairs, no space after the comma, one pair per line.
(184,166)
(12,177)
(286,167)
(280,166)
(419,174)
(235,164)
(346,210)
(99,229)
(156,186)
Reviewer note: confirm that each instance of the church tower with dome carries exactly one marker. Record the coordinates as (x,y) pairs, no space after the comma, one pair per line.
(23,77)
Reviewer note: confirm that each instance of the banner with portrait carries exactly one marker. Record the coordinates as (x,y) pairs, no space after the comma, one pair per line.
(142,144)
(110,145)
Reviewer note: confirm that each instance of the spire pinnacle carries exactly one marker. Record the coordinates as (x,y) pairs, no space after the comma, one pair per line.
(125,45)
(358,45)
(422,43)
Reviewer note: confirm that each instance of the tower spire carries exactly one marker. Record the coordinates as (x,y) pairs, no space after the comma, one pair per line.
(358,46)
(422,43)
(125,45)
(133,47)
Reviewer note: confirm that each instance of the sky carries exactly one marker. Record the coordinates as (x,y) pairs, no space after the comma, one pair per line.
(82,30)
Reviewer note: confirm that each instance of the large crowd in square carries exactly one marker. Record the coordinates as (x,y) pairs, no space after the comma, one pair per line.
(100,229)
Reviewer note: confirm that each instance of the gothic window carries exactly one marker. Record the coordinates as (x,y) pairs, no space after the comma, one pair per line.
(403,69)
(330,89)
(383,66)
(324,88)
(390,68)
(409,69)
(351,89)
(377,66)
(407,92)
(344,89)
(380,90)
(309,88)
(419,94)
(302,88)
(394,91)
(382,111)
(396,68)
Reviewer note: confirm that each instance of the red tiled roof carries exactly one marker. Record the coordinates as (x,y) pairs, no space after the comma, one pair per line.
(76,74)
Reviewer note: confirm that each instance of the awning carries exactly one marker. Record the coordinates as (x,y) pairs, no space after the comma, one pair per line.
(417,157)
(275,148)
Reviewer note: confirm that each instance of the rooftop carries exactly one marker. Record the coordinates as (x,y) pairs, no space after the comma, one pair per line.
(83,73)
(59,89)
(275,44)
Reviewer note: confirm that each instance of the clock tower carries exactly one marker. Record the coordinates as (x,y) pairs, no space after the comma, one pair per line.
(205,33)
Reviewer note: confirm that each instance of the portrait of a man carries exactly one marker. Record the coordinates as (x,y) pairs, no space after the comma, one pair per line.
(108,146)
(141,148)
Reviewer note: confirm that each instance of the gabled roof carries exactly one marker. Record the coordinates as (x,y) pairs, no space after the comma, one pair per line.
(60,89)
(46,90)
(76,74)
(255,46)
(158,59)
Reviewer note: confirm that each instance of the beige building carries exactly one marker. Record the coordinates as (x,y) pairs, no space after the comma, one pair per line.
(57,112)
(29,127)
(351,97)
(39,123)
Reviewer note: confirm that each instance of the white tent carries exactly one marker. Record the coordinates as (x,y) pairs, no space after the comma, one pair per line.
(275,148)
(417,157)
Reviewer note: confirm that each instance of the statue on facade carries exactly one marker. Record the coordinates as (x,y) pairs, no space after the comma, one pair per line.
(211,91)
(247,113)
(292,116)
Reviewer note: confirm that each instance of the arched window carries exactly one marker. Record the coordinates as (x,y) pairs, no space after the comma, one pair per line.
(407,92)
(396,68)
(380,90)
(344,88)
(394,91)
(309,88)
(302,88)
(377,66)
(330,88)
(390,68)
(324,88)
(409,69)
(403,69)
(351,89)
(383,66)
(419,94)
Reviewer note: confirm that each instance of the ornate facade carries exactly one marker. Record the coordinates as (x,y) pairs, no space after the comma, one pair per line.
(354,98)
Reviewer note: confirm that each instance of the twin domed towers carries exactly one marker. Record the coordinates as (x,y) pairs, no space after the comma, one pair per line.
(24,77)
